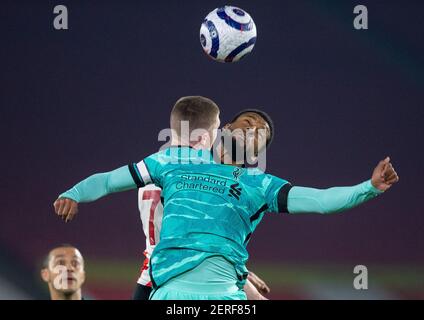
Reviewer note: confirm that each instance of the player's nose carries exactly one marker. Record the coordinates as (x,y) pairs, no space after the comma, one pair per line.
(250,129)
(70,267)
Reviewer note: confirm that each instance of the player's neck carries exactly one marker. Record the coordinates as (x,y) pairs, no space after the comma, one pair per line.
(183,143)
(227,159)
(57,295)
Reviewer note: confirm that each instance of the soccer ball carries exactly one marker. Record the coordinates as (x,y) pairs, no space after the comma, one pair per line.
(228,34)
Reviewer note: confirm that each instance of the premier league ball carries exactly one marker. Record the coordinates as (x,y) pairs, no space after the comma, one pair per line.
(228,34)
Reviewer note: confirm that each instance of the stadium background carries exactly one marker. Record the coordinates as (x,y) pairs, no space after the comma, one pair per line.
(94,97)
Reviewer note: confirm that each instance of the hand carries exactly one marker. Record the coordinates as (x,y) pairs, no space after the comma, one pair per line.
(66,208)
(258,283)
(384,175)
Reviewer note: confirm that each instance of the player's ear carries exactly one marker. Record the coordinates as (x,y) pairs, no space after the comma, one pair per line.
(206,138)
(227,126)
(45,274)
(198,136)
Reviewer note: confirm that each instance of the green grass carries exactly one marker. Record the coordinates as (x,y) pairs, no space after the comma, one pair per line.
(288,275)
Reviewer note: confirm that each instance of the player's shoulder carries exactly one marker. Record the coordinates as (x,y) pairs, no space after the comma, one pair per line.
(252,174)
(161,159)
(249,176)
(160,155)
(260,178)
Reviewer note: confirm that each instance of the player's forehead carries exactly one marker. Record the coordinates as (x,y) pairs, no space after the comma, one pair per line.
(252,118)
(65,253)
(248,119)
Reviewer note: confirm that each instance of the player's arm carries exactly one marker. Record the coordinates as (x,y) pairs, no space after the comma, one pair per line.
(337,199)
(96,187)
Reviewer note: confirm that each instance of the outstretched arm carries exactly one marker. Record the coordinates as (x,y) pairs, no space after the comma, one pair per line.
(336,199)
(93,188)
(332,200)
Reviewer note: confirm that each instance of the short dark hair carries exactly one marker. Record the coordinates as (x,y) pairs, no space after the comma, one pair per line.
(263,115)
(199,111)
(46,260)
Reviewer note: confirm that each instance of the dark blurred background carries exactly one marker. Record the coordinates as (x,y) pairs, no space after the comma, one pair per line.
(94,97)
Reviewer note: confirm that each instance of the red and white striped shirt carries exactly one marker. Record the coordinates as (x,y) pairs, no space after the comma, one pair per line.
(151,213)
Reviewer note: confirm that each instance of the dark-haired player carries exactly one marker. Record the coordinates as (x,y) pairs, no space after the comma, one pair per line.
(63,271)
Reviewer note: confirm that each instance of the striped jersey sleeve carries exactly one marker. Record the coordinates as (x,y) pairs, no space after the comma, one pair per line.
(147,171)
(276,194)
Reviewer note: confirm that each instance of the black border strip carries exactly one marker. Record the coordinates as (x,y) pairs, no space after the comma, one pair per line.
(135,176)
(282,198)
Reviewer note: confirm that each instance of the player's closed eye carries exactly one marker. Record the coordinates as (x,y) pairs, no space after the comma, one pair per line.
(248,122)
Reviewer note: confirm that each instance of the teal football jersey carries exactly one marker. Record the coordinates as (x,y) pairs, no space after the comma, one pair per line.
(210,209)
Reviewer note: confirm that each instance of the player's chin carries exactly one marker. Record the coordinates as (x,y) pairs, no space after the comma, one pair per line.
(69,291)
(72,286)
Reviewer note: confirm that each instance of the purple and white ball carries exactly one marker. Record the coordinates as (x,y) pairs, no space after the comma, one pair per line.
(228,34)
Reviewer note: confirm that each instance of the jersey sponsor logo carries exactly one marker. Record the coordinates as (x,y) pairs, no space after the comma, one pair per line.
(237,172)
(202,183)
(235,191)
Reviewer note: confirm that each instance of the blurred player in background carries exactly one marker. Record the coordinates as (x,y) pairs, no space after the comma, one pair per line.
(210,209)
(63,271)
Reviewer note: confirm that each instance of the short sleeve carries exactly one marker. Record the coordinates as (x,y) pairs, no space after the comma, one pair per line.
(276,194)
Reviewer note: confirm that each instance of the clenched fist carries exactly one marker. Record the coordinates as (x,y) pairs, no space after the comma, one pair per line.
(66,208)
(384,175)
